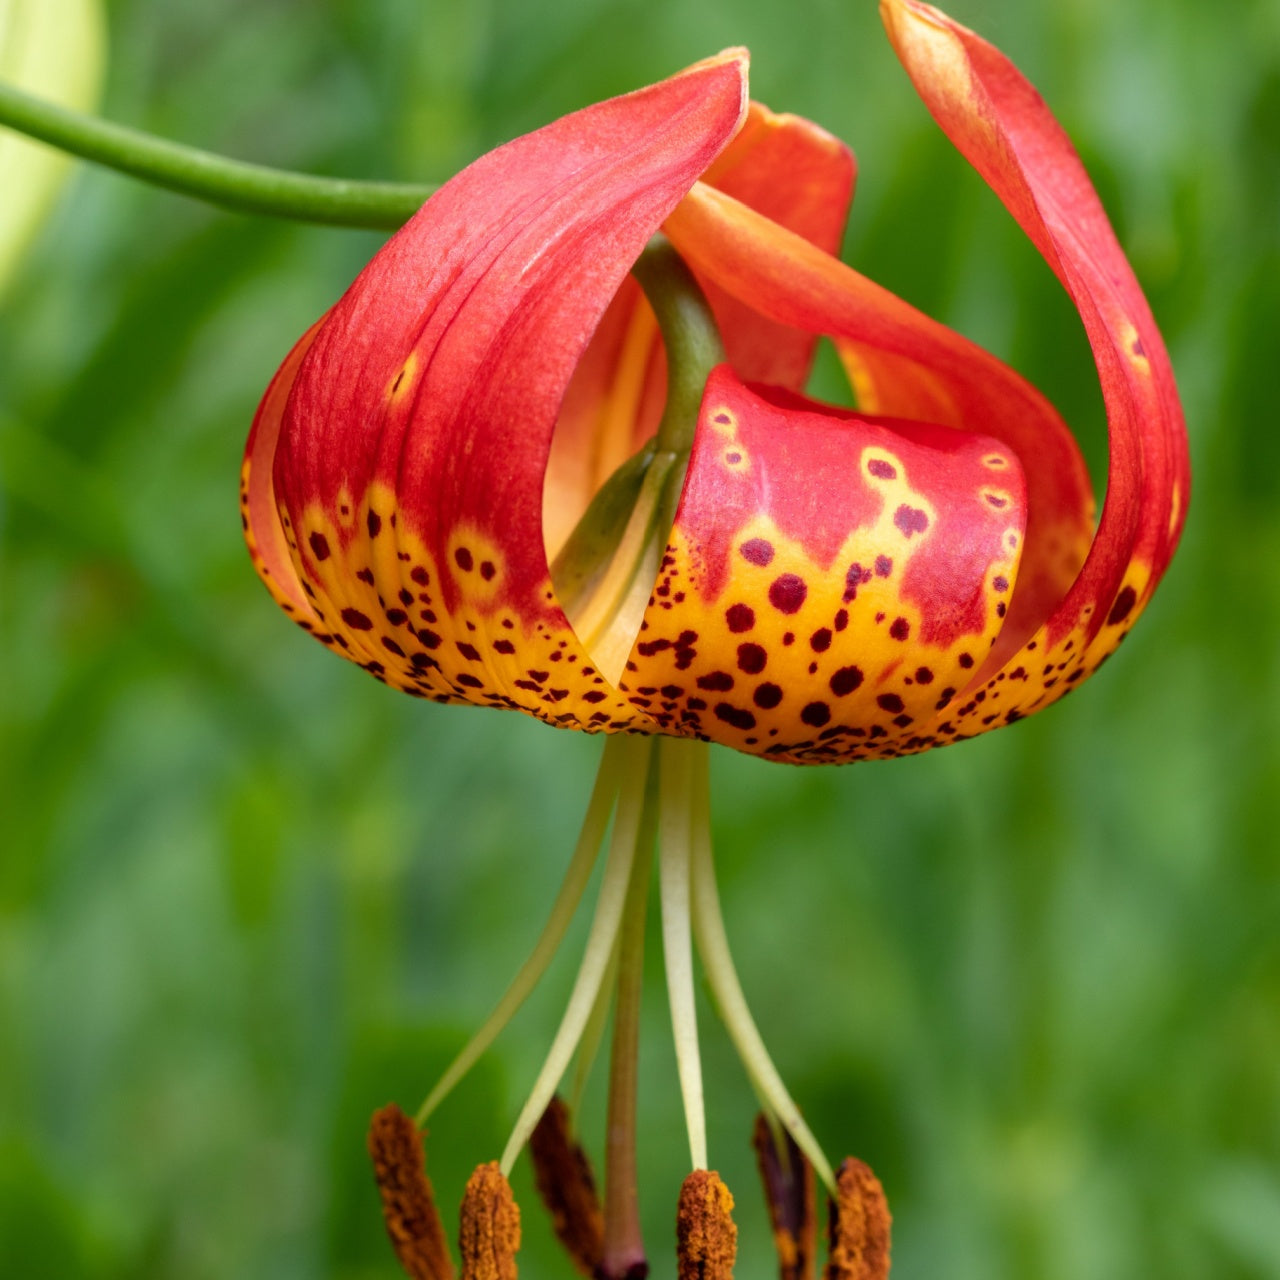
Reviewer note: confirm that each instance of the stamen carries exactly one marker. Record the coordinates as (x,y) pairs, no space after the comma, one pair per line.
(568,1188)
(490,1232)
(722,977)
(676,845)
(583,861)
(789,1192)
(624,1257)
(634,764)
(706,1239)
(858,1226)
(593,1036)
(408,1203)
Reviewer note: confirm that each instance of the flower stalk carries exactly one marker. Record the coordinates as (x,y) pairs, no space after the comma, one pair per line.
(203,175)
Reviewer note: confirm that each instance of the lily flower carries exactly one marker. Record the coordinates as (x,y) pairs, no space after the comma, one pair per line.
(536,459)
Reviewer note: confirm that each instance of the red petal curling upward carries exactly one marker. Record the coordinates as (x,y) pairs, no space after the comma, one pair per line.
(1003,128)
(831,581)
(412,436)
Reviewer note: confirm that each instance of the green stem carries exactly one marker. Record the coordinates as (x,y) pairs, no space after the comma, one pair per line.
(232,184)
(689,334)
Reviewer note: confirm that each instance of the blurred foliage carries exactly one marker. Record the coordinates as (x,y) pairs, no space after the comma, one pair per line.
(247,894)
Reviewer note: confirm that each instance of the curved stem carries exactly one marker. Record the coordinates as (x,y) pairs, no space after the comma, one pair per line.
(722,977)
(603,795)
(600,942)
(675,839)
(233,184)
(689,334)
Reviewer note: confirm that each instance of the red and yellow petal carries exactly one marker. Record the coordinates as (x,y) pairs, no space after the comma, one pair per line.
(912,366)
(831,581)
(411,435)
(1003,128)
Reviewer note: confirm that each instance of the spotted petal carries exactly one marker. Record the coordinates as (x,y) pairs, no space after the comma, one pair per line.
(831,580)
(399,455)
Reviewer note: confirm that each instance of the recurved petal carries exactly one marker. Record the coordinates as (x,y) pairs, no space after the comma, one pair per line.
(907,365)
(800,177)
(1003,128)
(831,580)
(413,439)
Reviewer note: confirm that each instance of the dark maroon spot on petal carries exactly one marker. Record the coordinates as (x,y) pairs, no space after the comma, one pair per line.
(735,716)
(995,500)
(716,682)
(319,546)
(696,704)
(470,682)
(899,628)
(820,641)
(468,651)
(966,660)
(1000,583)
(787,592)
(406,596)
(788,637)
(751,658)
(845,681)
(816,714)
(593,695)
(373,523)
(924,675)
(463,559)
(487,570)
(391,647)
(757,551)
(421,577)
(910,520)
(1122,607)
(503,646)
(1001,609)
(733,458)
(884,566)
(842,619)
(422,661)
(767,696)
(882,470)
(366,576)
(356,620)
(723,419)
(740,617)
(889,702)
(428,639)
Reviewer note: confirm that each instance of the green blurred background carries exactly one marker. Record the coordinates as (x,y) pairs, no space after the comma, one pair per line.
(247,894)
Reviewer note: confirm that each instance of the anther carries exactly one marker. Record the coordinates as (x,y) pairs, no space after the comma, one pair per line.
(490,1232)
(706,1239)
(858,1226)
(408,1204)
(789,1192)
(568,1188)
